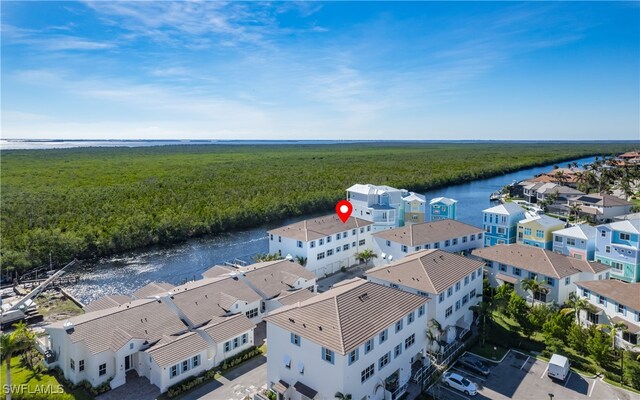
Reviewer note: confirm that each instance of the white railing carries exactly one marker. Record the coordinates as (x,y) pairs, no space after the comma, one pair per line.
(399,391)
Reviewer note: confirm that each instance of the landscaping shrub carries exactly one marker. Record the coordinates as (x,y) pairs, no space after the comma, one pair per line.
(184,386)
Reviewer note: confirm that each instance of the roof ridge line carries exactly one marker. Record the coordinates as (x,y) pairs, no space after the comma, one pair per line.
(339,326)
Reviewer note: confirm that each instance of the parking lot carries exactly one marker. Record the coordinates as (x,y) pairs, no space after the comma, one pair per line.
(521,377)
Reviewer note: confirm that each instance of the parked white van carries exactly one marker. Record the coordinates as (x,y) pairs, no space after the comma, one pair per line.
(558,367)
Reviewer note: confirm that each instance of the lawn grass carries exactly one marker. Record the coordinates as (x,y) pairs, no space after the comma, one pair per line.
(54,305)
(489,351)
(617,384)
(40,382)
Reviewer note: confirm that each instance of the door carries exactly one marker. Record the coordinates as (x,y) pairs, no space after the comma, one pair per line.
(127,362)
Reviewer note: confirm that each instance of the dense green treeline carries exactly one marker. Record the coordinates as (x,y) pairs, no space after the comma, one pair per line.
(99,201)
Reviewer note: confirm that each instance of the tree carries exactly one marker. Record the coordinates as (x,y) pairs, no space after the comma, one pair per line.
(502,296)
(485,311)
(365,256)
(14,342)
(556,327)
(533,286)
(578,336)
(575,303)
(575,210)
(301,260)
(538,315)
(517,306)
(599,347)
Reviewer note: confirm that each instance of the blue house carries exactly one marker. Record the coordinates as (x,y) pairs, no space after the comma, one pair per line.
(618,245)
(500,223)
(442,208)
(577,241)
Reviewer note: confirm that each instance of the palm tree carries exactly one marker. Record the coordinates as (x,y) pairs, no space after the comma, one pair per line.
(560,177)
(365,256)
(576,303)
(432,338)
(533,286)
(301,260)
(575,210)
(484,310)
(613,330)
(10,343)
(341,396)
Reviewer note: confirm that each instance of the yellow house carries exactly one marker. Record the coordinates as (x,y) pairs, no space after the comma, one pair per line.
(538,231)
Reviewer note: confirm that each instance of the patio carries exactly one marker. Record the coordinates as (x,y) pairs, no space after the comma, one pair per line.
(137,387)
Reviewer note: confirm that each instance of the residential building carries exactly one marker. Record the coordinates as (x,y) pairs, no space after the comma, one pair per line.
(452,282)
(442,208)
(325,243)
(447,234)
(576,241)
(618,245)
(381,205)
(538,231)
(601,207)
(152,289)
(414,208)
(510,264)
(613,302)
(358,338)
(500,223)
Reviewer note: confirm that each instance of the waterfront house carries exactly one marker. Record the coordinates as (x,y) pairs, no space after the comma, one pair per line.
(442,208)
(510,264)
(414,208)
(447,234)
(359,338)
(618,245)
(326,244)
(576,241)
(451,281)
(613,302)
(538,231)
(601,207)
(381,205)
(500,223)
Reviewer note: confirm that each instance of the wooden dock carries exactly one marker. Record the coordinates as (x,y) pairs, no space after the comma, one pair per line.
(63,280)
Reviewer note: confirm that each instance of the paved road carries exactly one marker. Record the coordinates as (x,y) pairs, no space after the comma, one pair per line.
(236,384)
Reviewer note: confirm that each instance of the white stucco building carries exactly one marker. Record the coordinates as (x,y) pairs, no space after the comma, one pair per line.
(451,281)
(326,243)
(446,234)
(358,338)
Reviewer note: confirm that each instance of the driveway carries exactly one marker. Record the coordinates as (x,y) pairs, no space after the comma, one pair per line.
(521,377)
(235,384)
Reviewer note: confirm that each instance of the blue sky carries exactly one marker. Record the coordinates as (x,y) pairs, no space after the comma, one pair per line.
(337,70)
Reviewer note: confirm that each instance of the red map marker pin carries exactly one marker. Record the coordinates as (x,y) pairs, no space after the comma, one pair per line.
(344,210)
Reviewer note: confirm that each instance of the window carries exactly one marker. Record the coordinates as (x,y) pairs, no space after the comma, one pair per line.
(328,239)
(539,234)
(586,293)
(480,272)
(454,241)
(353,356)
(312,244)
(446,243)
(252,313)
(500,231)
(337,236)
(173,371)
(421,311)
(80,365)
(427,246)
(558,239)
(517,271)
(602,300)
(320,242)
(320,256)
(533,276)
(473,237)
(409,341)
(130,346)
(384,360)
(571,242)
(473,275)
(195,361)
(607,249)
(227,346)
(421,293)
(102,369)
(449,292)
(353,232)
(345,234)
(448,312)
(388,243)
(404,248)
(440,297)
(72,364)
(465,299)
(393,285)
(603,233)
(368,346)
(464,239)
(271,237)
(417,248)
(361,242)
(503,268)
(616,265)
(383,336)
(369,228)
(551,281)
(457,305)
(593,318)
(345,247)
(479,236)
(624,236)
(235,342)
(466,280)
(472,294)
(367,373)
(361,230)
(621,309)
(457,286)
(329,252)
(567,280)
(327,355)
(397,351)
(411,317)
(295,339)
(398,326)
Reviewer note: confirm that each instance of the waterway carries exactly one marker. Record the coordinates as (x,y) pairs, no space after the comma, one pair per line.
(124,274)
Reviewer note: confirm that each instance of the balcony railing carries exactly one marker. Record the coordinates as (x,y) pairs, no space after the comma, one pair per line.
(399,391)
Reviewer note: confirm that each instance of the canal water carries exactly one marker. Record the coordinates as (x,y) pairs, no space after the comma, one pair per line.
(124,274)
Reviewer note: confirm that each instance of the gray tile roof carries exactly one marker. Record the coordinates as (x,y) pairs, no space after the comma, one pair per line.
(152,289)
(217,270)
(223,329)
(431,271)
(316,228)
(537,260)
(106,302)
(274,277)
(428,232)
(288,298)
(347,315)
(179,349)
(622,292)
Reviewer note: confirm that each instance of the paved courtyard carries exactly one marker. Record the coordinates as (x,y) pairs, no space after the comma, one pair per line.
(138,388)
(521,377)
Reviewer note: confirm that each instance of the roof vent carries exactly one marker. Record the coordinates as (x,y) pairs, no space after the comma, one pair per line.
(292,320)
(157,299)
(320,328)
(364,296)
(68,325)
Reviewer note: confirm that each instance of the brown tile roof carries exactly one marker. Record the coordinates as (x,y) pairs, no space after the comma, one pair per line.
(428,232)
(207,298)
(152,289)
(630,154)
(288,298)
(622,292)
(106,302)
(535,259)
(217,270)
(223,329)
(273,277)
(345,316)
(316,228)
(108,329)
(603,200)
(431,271)
(633,328)
(507,278)
(180,349)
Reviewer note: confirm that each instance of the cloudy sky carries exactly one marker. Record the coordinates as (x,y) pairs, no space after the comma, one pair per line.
(284,70)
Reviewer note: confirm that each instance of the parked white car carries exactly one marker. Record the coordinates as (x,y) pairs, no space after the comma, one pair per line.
(460,383)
